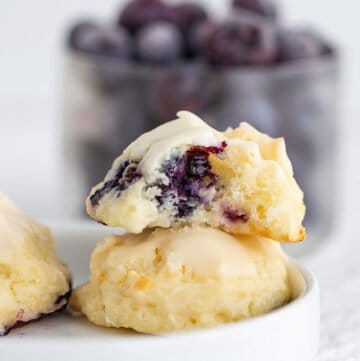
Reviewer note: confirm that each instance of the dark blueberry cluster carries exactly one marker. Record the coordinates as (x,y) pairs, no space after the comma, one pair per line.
(126,174)
(157,32)
(139,13)
(189,175)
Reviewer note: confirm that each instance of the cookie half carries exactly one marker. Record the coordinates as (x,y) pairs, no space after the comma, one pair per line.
(186,173)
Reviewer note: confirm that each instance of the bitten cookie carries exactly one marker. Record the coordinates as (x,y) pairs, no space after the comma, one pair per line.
(33,281)
(167,280)
(186,173)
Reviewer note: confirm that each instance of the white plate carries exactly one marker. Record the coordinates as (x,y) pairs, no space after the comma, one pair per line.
(287,334)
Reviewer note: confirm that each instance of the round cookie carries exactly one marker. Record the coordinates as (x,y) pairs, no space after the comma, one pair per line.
(33,281)
(167,280)
(186,173)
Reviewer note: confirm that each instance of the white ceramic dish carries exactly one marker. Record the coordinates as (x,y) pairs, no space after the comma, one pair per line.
(289,333)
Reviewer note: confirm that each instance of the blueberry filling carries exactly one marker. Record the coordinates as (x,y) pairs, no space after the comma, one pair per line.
(126,174)
(189,175)
(236,215)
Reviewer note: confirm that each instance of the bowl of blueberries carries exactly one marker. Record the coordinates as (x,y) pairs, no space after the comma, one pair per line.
(126,76)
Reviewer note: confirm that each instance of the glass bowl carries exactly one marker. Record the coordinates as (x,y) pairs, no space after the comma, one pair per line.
(107,104)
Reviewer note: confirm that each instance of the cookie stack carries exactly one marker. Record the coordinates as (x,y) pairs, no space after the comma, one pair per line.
(205,212)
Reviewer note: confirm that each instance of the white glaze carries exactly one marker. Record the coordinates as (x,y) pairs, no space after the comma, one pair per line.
(153,147)
(207,251)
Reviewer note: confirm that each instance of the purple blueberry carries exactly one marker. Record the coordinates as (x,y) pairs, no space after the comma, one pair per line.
(189,175)
(236,215)
(198,165)
(245,41)
(199,36)
(76,32)
(126,175)
(138,13)
(102,40)
(197,162)
(186,15)
(297,44)
(266,8)
(159,43)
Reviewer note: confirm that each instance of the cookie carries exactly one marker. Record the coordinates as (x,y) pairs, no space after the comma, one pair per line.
(166,280)
(33,281)
(186,173)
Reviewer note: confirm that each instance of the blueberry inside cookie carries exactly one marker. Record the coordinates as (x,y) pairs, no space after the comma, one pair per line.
(186,173)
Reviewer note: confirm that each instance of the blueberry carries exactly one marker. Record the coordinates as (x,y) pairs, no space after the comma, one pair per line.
(245,41)
(236,215)
(126,175)
(266,8)
(130,176)
(101,40)
(185,209)
(138,13)
(197,163)
(186,15)
(106,188)
(76,32)
(199,36)
(189,175)
(159,42)
(297,44)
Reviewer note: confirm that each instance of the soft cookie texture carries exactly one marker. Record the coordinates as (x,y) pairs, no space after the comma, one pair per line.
(167,280)
(33,282)
(186,173)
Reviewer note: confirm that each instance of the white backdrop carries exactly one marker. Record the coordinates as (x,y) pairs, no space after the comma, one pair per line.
(30,73)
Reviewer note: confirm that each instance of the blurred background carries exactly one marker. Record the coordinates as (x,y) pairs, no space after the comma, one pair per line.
(51,86)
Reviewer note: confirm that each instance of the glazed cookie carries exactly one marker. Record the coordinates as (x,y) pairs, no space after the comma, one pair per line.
(33,282)
(167,280)
(186,173)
